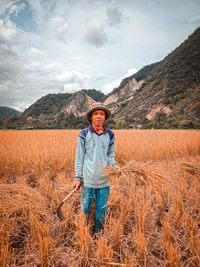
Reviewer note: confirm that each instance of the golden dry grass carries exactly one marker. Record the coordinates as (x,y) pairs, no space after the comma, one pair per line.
(154,204)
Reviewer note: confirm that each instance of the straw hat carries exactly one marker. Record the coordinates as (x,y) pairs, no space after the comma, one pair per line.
(96,106)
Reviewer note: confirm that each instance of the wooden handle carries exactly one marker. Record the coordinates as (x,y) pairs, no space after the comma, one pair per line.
(69,195)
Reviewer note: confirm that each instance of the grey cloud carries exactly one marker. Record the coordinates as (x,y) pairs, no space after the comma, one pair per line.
(22,80)
(114,16)
(6,50)
(5,4)
(20,83)
(98,77)
(196,22)
(8,57)
(24,89)
(96,37)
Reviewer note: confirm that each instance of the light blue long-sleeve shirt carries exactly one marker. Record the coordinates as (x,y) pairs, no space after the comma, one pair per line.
(94,152)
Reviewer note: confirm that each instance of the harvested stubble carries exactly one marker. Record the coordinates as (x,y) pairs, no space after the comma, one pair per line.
(162,224)
(24,221)
(154,206)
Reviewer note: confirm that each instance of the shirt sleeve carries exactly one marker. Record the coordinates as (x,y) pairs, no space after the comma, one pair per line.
(80,151)
(111,152)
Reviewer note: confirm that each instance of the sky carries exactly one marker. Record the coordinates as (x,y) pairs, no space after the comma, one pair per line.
(63,46)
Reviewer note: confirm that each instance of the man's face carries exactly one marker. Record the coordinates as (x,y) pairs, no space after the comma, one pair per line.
(98,117)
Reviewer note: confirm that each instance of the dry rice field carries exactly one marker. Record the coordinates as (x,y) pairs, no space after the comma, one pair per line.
(154,204)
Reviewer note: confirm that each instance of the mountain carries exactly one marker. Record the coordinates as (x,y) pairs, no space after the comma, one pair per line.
(170,95)
(57,111)
(47,105)
(8,112)
(95,94)
(130,85)
(165,94)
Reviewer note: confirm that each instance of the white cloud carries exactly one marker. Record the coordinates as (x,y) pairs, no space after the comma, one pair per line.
(36,51)
(15,9)
(71,87)
(69,77)
(8,30)
(110,86)
(52,53)
(23,80)
(130,72)
(114,84)
(5,4)
(73,80)
(55,66)
(58,27)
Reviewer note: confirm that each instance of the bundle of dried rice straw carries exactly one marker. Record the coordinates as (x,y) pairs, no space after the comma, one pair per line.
(191,168)
(14,197)
(143,173)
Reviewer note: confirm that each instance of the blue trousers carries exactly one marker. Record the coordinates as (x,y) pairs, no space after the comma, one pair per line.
(87,197)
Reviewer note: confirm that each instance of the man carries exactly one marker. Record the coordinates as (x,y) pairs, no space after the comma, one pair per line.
(95,151)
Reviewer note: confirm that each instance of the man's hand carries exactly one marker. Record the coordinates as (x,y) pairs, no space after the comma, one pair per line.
(76,185)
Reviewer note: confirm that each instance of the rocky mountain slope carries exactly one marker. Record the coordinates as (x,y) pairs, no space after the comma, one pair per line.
(130,85)
(68,110)
(165,94)
(170,95)
(57,111)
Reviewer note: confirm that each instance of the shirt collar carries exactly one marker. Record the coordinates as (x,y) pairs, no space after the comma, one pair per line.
(92,130)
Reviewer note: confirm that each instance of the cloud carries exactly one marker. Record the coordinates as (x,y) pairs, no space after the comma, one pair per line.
(98,77)
(36,51)
(72,76)
(8,31)
(5,4)
(44,45)
(196,22)
(43,69)
(96,36)
(72,87)
(58,27)
(114,16)
(22,84)
(110,86)
(114,84)
(15,9)
(23,79)
(130,72)
(6,51)
(39,12)
(9,57)
(73,80)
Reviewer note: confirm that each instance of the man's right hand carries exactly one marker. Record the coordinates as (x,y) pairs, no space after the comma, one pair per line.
(76,185)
